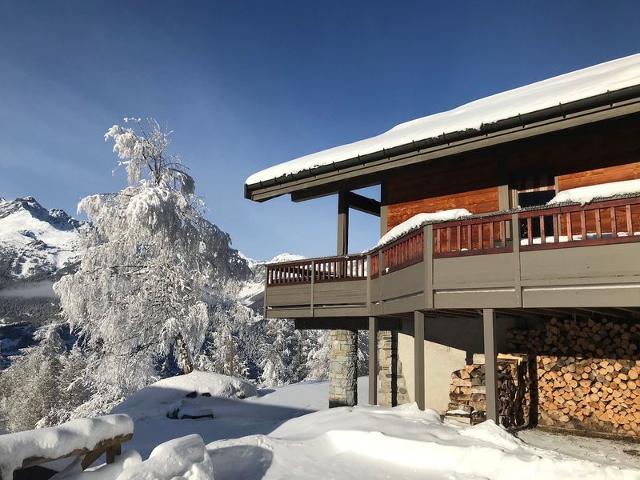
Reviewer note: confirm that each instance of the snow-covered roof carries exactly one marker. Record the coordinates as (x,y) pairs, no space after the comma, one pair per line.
(581,84)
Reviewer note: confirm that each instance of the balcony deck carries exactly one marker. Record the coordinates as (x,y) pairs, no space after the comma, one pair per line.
(570,256)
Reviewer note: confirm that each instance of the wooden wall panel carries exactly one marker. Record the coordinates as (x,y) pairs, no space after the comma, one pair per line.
(469,183)
(614,173)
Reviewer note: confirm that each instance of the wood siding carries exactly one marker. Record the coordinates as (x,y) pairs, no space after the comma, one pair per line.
(579,157)
(470,183)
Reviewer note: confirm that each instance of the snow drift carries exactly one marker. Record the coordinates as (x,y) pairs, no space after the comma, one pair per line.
(162,396)
(400,442)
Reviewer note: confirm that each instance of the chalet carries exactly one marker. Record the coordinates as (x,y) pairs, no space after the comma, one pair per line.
(508,264)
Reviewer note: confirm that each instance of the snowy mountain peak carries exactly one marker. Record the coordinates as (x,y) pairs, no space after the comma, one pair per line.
(35,243)
(286,257)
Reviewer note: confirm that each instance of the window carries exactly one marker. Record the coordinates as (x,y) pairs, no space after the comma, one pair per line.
(534,199)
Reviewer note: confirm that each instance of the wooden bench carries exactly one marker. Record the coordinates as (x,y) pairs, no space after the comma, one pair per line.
(111,447)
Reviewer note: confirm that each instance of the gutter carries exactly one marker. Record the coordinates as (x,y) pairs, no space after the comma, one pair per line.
(560,110)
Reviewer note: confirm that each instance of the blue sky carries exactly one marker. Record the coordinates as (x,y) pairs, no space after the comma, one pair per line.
(247,84)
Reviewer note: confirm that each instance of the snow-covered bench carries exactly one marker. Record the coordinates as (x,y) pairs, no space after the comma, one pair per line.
(86,437)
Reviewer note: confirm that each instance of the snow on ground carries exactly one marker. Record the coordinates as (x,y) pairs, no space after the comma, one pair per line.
(233,417)
(608,452)
(584,195)
(419,220)
(585,83)
(288,432)
(404,442)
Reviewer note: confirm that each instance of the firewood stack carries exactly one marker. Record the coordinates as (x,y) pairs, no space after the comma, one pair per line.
(467,392)
(587,374)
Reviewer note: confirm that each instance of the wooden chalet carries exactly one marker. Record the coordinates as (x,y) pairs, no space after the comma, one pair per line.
(449,293)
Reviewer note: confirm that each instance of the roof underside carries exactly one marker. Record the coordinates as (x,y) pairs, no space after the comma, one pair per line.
(600,85)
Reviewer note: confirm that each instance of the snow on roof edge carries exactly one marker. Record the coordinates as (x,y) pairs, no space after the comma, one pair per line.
(566,88)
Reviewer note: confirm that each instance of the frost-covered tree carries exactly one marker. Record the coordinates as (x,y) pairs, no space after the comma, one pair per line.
(137,301)
(280,353)
(29,389)
(319,355)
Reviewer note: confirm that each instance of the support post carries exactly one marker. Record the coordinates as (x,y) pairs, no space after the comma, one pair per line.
(373,360)
(343,368)
(490,362)
(343,224)
(418,350)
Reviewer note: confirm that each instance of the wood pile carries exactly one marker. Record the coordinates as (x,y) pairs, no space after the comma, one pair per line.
(467,392)
(587,375)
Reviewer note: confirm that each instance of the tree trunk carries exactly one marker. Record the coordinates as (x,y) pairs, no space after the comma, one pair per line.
(184,357)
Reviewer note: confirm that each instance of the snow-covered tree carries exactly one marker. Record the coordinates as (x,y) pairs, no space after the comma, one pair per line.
(318,356)
(137,301)
(29,389)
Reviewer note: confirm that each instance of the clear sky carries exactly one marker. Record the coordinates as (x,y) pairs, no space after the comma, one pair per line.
(247,84)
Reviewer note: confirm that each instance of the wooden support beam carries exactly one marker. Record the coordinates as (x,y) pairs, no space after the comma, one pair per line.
(418,358)
(490,362)
(373,361)
(363,204)
(343,224)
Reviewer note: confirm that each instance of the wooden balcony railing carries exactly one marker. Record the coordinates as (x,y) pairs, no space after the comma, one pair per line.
(612,221)
(598,223)
(407,250)
(472,237)
(352,267)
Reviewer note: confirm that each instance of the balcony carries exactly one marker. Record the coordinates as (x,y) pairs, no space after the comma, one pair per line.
(570,256)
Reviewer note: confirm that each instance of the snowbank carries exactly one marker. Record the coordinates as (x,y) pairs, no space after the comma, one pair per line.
(401,442)
(128,459)
(585,83)
(159,398)
(176,459)
(584,195)
(53,442)
(419,220)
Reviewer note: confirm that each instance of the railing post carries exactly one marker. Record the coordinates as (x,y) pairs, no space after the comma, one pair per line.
(380,272)
(313,282)
(427,255)
(264,295)
(368,260)
(515,248)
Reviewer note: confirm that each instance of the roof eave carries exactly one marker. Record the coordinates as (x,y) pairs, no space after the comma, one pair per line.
(257,191)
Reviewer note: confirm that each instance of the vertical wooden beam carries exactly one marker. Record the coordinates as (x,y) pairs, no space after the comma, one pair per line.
(343,224)
(418,357)
(504,193)
(373,360)
(384,209)
(490,362)
(515,235)
(312,288)
(428,265)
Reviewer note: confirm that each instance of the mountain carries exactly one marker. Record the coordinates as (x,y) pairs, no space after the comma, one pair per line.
(36,244)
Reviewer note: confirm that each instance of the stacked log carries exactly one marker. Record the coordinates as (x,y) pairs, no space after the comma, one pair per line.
(587,377)
(467,392)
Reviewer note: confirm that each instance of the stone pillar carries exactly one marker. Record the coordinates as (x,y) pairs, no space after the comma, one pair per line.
(343,368)
(393,389)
